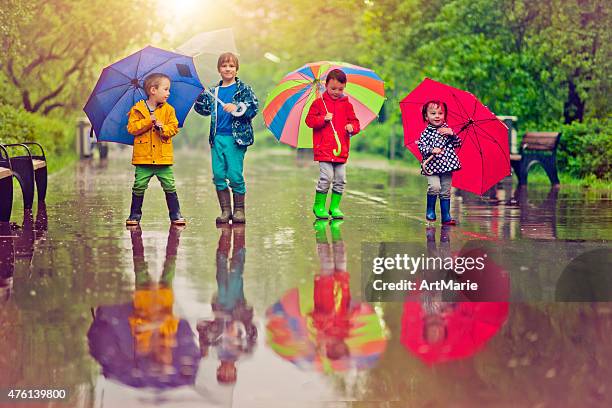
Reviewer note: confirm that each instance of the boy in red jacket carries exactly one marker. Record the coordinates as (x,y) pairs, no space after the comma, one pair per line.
(333,121)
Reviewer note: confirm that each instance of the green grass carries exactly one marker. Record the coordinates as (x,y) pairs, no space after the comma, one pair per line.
(537,175)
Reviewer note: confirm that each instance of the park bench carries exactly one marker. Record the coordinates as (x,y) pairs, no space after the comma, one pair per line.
(6,186)
(30,169)
(537,147)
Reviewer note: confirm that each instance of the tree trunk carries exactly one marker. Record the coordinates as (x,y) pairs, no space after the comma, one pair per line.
(573,108)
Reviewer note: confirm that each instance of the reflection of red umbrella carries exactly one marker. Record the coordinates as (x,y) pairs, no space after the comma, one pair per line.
(438,331)
(484,153)
(465,327)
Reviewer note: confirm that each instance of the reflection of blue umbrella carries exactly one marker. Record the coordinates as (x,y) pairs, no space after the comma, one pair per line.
(120,87)
(111,343)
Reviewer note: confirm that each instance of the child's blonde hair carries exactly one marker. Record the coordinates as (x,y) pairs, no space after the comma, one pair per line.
(153,80)
(228,57)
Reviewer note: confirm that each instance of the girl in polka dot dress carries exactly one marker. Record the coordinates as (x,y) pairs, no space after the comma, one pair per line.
(439,141)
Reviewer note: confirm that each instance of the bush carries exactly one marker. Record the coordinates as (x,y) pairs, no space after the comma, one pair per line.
(584,149)
(56,136)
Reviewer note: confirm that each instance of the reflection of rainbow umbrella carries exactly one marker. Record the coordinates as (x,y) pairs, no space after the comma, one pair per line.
(287,105)
(290,333)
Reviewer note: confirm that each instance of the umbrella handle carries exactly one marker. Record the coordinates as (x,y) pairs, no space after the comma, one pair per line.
(338,144)
(338,150)
(424,166)
(242,108)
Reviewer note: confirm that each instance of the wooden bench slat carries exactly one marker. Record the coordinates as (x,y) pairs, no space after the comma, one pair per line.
(4,172)
(538,146)
(38,164)
(540,140)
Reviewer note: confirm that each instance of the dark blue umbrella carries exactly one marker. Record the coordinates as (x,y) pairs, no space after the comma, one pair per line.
(111,343)
(120,86)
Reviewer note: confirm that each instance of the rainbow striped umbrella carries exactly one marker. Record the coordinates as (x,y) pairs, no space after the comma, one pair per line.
(288,104)
(291,333)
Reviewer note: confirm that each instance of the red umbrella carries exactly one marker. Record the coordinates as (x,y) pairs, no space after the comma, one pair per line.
(437,331)
(484,153)
(458,332)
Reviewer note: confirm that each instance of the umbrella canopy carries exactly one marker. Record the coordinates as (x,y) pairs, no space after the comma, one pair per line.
(120,86)
(484,153)
(288,103)
(443,331)
(205,49)
(467,326)
(292,334)
(112,344)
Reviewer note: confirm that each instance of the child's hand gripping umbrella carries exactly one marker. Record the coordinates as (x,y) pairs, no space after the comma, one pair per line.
(242,108)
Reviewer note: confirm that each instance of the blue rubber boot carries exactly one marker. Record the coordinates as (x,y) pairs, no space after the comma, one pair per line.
(445,210)
(135,210)
(430,215)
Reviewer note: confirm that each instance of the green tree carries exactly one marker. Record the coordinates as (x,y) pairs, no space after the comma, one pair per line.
(53,47)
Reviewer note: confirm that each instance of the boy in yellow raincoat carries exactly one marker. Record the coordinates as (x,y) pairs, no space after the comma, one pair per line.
(153,123)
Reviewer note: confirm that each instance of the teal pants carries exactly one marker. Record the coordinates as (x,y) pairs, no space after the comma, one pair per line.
(228,164)
(144,172)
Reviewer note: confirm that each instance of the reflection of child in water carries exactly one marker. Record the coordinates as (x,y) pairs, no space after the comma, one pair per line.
(153,323)
(232,331)
(332,295)
(433,302)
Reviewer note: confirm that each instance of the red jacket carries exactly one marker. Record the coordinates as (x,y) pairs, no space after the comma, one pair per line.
(323,140)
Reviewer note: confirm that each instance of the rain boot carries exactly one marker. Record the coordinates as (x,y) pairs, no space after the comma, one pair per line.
(319,206)
(444,237)
(225,202)
(430,215)
(430,234)
(238,217)
(334,205)
(135,210)
(238,230)
(174,209)
(336,233)
(445,210)
(320,232)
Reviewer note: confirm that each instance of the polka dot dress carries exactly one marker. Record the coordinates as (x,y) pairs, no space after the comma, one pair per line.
(448,160)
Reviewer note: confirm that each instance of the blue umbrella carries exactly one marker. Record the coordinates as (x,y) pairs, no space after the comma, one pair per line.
(111,343)
(120,86)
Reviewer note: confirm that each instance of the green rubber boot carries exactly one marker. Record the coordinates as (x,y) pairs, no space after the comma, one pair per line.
(320,233)
(334,206)
(319,206)
(334,227)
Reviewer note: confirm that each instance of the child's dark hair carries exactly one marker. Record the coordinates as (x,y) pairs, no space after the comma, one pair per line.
(437,103)
(153,80)
(336,74)
(228,57)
